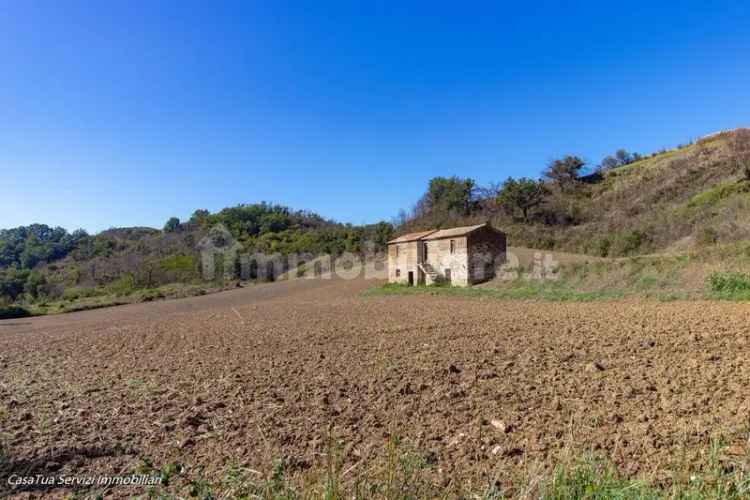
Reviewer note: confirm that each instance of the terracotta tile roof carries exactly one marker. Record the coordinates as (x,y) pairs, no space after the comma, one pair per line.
(453,232)
(436,234)
(411,236)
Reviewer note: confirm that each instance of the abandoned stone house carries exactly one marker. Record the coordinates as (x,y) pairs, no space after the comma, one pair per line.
(460,256)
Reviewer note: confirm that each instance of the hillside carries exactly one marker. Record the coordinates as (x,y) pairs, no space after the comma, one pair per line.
(44,269)
(692,196)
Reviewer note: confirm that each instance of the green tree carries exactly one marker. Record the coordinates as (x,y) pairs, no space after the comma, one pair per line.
(12,283)
(34,284)
(26,246)
(623,157)
(172,225)
(451,195)
(523,194)
(199,216)
(564,171)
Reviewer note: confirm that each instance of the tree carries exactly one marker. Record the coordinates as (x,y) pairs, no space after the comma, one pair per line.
(623,157)
(564,171)
(172,225)
(27,246)
(523,194)
(199,216)
(34,284)
(619,159)
(451,195)
(608,163)
(12,283)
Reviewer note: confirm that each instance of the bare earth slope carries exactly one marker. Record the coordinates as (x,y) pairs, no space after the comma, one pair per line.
(479,388)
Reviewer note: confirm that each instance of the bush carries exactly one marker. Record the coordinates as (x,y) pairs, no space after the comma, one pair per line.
(707,236)
(151,295)
(728,282)
(79,292)
(10,312)
(603,247)
(632,241)
(178,263)
(124,285)
(714,195)
(628,243)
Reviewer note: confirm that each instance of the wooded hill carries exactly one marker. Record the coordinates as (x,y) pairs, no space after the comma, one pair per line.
(43,264)
(694,195)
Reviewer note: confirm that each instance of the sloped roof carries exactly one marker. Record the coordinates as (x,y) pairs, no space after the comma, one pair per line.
(453,232)
(436,234)
(412,236)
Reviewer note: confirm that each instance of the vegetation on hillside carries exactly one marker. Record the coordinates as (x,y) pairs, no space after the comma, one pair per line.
(49,269)
(694,195)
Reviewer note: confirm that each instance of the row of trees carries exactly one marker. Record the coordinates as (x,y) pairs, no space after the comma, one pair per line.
(452,198)
(24,247)
(619,159)
(30,256)
(267,227)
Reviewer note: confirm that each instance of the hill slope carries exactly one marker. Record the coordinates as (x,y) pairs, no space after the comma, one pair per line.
(51,270)
(694,195)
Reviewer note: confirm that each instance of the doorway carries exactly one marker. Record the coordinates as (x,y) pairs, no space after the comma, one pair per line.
(411,278)
(448,275)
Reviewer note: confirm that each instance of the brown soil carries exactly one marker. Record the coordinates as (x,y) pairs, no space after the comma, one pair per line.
(482,387)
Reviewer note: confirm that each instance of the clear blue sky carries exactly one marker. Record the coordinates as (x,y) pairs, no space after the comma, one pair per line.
(126,113)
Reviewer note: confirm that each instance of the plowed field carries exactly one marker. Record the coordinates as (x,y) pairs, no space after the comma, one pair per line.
(479,388)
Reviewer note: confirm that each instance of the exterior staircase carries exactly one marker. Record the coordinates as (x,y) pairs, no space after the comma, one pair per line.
(428,270)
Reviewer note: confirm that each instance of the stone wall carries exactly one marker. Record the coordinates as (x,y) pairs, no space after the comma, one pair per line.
(406,261)
(440,258)
(487,249)
(472,259)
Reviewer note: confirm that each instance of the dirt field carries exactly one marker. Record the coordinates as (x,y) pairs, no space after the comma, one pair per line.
(478,388)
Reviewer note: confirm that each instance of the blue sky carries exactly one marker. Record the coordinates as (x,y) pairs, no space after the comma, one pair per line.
(126,113)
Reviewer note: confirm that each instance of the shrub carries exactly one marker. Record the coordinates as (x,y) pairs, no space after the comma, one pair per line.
(632,241)
(603,247)
(124,285)
(178,263)
(729,282)
(717,193)
(79,292)
(151,295)
(10,312)
(707,236)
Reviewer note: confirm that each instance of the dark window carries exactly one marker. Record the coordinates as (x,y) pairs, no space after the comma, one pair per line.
(397,254)
(453,246)
(398,271)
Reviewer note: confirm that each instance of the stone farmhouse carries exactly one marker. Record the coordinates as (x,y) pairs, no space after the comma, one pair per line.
(460,256)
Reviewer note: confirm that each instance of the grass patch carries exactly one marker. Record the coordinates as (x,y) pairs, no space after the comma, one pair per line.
(714,195)
(87,300)
(730,282)
(518,290)
(82,292)
(729,285)
(593,478)
(401,472)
